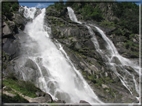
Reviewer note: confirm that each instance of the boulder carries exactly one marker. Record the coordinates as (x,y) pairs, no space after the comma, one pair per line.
(20,21)
(11,47)
(48,97)
(11,24)
(115,60)
(63,96)
(13,27)
(104,86)
(31,64)
(6,30)
(77,46)
(37,94)
(86,103)
(31,71)
(94,68)
(90,44)
(88,71)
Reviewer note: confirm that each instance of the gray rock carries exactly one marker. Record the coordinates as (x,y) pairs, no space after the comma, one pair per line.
(90,44)
(115,60)
(104,86)
(31,64)
(46,99)
(88,70)
(63,96)
(4,40)
(37,12)
(94,68)
(13,16)
(37,94)
(86,103)
(6,30)
(11,23)
(13,27)
(11,47)
(77,46)
(20,21)
(82,65)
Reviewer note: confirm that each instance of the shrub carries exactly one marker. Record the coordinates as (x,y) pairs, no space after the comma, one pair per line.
(8,8)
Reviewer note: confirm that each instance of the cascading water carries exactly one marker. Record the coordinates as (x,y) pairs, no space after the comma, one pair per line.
(47,65)
(72,17)
(127,78)
(115,62)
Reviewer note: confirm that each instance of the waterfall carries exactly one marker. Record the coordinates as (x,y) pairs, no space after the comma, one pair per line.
(114,60)
(72,15)
(124,74)
(47,65)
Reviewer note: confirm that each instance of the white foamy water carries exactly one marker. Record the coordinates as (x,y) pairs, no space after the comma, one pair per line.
(28,13)
(72,16)
(49,67)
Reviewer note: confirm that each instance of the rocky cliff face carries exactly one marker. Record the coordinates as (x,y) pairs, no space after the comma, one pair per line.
(76,41)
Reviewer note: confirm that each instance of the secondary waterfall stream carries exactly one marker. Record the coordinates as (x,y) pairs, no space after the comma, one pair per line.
(116,63)
(47,65)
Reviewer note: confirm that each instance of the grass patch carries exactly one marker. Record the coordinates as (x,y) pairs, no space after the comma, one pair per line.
(26,88)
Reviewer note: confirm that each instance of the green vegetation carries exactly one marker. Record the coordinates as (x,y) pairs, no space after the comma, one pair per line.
(128,14)
(8,8)
(26,88)
(89,12)
(108,24)
(59,5)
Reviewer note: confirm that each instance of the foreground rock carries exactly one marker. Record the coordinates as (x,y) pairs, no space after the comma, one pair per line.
(86,103)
